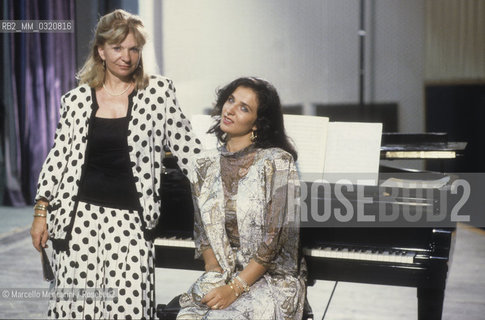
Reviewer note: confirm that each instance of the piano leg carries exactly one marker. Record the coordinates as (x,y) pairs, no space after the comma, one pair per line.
(430,303)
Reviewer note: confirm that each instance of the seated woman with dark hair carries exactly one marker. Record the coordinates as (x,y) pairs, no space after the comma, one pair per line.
(247,213)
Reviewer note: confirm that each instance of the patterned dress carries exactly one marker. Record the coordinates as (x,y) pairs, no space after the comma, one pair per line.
(108,271)
(248,209)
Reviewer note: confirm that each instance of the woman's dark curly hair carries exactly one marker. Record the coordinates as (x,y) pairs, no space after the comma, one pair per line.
(269,123)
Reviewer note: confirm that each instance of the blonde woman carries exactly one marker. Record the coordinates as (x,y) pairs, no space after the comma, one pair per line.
(98,193)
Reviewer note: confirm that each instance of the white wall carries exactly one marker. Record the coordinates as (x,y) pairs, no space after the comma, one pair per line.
(307,49)
(399,59)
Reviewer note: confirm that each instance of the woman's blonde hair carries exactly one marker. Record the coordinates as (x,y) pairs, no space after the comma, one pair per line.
(113,28)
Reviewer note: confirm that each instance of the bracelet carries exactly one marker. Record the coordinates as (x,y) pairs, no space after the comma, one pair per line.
(232,288)
(238,285)
(244,283)
(41,207)
(40,215)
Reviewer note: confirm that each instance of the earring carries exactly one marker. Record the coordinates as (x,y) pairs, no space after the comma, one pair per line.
(104,64)
(253,136)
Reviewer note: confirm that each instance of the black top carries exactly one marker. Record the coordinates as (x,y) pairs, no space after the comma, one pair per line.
(108,178)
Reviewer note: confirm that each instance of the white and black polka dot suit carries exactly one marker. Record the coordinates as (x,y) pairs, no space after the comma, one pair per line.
(155,120)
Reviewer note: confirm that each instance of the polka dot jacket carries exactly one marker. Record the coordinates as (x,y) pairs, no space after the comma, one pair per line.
(155,120)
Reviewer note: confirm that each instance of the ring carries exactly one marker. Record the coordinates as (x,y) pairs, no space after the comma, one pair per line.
(216,306)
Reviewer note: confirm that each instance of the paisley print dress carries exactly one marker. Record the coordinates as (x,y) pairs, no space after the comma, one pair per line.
(248,208)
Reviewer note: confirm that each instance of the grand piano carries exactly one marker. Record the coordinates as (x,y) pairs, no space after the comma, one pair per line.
(402,256)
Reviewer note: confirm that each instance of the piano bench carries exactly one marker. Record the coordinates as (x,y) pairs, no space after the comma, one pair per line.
(170,310)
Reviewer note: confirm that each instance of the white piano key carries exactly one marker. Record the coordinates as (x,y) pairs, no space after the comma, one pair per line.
(368,255)
(387,256)
(408,257)
(345,253)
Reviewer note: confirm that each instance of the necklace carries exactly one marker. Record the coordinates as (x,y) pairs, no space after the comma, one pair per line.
(116,94)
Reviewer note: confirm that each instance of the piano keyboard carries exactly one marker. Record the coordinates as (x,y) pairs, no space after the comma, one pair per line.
(385,256)
(175,242)
(398,256)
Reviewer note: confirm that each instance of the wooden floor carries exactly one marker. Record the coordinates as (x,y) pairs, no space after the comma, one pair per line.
(465,293)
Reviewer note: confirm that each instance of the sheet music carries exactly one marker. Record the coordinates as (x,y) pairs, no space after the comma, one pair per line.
(329,150)
(353,152)
(308,133)
(200,124)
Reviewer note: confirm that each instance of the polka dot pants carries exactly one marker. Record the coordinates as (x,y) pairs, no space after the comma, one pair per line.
(107,253)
